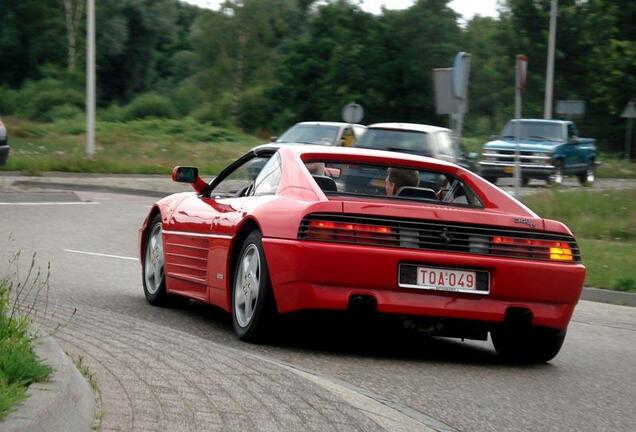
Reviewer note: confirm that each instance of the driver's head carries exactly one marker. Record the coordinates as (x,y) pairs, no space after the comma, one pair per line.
(397,178)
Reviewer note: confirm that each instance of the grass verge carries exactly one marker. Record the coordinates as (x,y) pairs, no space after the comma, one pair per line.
(604,223)
(83,368)
(148,146)
(19,365)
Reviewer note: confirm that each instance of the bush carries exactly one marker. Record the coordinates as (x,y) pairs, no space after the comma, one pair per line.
(113,113)
(217,113)
(149,105)
(37,99)
(8,101)
(63,112)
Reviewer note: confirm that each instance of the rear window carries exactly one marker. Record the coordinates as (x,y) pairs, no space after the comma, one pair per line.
(391,182)
(412,142)
(310,134)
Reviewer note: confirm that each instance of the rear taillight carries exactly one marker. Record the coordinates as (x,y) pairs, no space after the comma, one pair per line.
(554,250)
(351,232)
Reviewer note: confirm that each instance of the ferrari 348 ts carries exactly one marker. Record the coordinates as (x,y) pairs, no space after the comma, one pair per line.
(424,240)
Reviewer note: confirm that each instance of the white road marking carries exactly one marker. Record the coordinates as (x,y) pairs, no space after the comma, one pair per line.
(47,203)
(100,254)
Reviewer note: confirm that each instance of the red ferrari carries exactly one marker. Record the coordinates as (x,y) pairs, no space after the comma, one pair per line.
(294,228)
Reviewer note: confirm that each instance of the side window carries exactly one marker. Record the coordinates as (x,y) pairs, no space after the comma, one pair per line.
(572,133)
(445,144)
(268,179)
(239,181)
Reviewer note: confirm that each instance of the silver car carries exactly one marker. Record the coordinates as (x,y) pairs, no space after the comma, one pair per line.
(322,133)
(4,144)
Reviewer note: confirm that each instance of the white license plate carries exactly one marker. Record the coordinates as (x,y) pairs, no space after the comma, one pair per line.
(446,280)
(509,170)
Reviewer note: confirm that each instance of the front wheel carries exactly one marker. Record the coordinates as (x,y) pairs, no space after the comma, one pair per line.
(154,280)
(253,306)
(587,177)
(557,177)
(534,345)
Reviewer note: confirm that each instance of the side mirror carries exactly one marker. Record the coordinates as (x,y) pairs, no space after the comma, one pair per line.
(273,138)
(493,137)
(472,156)
(189,175)
(185,174)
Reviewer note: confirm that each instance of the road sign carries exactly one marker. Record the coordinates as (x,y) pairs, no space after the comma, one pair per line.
(353,113)
(630,110)
(571,108)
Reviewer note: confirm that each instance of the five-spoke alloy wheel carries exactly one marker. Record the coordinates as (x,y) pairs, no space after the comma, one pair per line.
(253,306)
(154,280)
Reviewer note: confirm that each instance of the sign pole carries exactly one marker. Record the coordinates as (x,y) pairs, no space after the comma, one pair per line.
(90,78)
(628,139)
(549,79)
(520,85)
(630,115)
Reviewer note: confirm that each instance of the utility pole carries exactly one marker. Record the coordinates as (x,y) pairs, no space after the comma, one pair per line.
(90,78)
(549,74)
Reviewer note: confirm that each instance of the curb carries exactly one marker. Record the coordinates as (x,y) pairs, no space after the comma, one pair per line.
(91,188)
(609,296)
(64,403)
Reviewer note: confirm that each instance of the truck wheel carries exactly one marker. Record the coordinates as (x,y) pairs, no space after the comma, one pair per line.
(534,345)
(492,180)
(587,177)
(525,181)
(557,177)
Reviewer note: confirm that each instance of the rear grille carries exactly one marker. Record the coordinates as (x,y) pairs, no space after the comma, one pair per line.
(429,235)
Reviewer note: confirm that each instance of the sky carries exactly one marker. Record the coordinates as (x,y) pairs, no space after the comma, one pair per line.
(466,8)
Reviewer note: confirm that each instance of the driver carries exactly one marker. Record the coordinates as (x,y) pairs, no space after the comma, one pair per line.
(397,178)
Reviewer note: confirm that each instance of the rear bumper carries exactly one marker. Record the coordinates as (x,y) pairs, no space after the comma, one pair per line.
(312,275)
(4,152)
(505,169)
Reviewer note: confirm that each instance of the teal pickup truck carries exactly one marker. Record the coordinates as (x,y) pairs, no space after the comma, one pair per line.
(548,150)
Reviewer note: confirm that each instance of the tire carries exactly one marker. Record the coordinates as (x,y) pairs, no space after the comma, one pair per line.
(534,345)
(557,177)
(253,305)
(492,180)
(525,181)
(587,177)
(153,273)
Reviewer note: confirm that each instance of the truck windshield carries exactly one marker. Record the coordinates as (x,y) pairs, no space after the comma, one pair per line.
(534,131)
(411,142)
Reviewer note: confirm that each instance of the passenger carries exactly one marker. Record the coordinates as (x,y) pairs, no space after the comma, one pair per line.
(316,168)
(397,178)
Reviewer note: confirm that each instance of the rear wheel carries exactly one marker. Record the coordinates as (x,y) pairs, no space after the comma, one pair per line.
(533,345)
(253,306)
(587,177)
(525,181)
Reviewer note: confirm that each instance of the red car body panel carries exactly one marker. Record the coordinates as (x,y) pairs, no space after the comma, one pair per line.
(200,235)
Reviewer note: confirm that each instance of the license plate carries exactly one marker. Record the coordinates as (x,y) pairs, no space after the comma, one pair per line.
(444,279)
(509,170)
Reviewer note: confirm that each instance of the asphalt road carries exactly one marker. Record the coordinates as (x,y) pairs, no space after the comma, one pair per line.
(182,368)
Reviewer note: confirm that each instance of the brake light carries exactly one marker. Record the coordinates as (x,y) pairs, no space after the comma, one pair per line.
(350,232)
(555,250)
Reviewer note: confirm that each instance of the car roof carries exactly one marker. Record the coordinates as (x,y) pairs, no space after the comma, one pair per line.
(408,127)
(324,123)
(542,121)
(350,151)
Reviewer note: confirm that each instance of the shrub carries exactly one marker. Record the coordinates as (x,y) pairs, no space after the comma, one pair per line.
(8,101)
(113,113)
(62,112)
(38,98)
(149,105)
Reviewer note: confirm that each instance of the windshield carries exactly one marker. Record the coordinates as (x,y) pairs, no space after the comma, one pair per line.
(540,131)
(391,182)
(310,134)
(411,142)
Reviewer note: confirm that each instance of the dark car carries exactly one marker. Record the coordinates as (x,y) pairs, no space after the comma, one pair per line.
(4,144)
